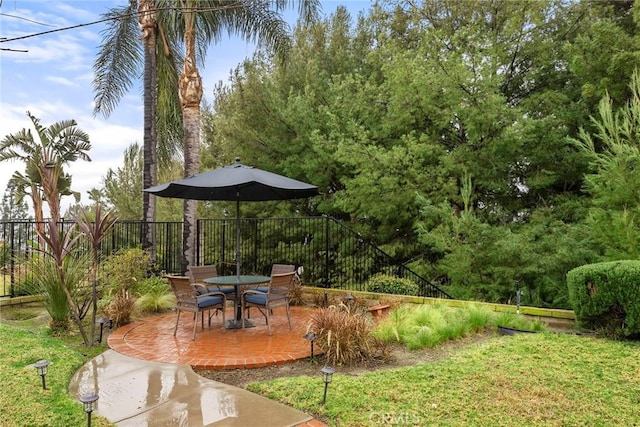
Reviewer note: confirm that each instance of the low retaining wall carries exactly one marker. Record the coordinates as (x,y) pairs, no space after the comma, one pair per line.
(7,302)
(550,314)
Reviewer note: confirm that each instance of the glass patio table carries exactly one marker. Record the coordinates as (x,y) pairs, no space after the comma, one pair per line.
(238,282)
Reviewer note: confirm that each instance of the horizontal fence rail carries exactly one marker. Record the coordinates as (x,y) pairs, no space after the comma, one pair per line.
(331,254)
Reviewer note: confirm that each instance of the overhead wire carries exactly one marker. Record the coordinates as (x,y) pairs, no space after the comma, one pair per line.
(86,24)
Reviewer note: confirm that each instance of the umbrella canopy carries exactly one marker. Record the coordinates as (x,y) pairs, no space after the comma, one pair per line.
(235,182)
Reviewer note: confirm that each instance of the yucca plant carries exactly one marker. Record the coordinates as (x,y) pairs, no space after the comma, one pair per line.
(95,230)
(47,285)
(61,247)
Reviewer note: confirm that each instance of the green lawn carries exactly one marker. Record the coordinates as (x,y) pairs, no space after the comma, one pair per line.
(23,402)
(540,379)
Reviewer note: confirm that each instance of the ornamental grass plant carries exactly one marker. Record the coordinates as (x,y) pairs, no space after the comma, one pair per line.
(343,334)
(425,326)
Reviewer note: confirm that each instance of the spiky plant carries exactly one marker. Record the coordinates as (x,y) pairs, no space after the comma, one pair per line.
(95,230)
(343,335)
(154,296)
(47,283)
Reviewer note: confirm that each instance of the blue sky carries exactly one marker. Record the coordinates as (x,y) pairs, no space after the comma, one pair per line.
(53,79)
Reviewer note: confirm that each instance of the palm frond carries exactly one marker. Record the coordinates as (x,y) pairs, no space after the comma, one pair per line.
(120,58)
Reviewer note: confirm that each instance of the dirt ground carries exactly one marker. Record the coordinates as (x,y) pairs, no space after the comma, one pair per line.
(398,357)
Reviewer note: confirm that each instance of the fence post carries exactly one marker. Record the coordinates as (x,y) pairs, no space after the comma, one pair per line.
(327,283)
(222,257)
(255,245)
(198,261)
(12,263)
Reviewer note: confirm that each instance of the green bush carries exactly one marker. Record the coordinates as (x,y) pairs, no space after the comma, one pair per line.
(385,284)
(124,269)
(606,297)
(47,282)
(154,295)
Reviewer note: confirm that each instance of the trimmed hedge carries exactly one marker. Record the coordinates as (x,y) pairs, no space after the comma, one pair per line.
(385,284)
(606,296)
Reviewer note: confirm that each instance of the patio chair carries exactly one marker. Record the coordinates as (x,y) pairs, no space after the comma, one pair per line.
(197,274)
(196,299)
(277,295)
(277,269)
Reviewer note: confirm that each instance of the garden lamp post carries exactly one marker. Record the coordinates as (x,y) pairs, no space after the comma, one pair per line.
(101,321)
(42,366)
(311,337)
(349,299)
(518,296)
(327,374)
(88,402)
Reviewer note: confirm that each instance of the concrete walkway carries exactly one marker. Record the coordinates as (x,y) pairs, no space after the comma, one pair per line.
(134,392)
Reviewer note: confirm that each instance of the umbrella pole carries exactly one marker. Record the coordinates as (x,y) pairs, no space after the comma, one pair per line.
(238,234)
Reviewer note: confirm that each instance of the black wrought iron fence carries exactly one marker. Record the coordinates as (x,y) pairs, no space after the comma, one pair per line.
(331,254)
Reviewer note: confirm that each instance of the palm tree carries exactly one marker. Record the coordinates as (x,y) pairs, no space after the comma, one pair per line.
(44,179)
(119,62)
(165,24)
(201,23)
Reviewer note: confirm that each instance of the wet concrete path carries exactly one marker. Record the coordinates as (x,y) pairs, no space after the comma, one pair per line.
(140,393)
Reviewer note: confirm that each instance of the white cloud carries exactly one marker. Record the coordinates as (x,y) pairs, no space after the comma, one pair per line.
(60,80)
(53,81)
(108,140)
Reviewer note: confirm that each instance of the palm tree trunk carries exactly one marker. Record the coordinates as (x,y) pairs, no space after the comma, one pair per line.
(190,90)
(36,199)
(50,173)
(149,26)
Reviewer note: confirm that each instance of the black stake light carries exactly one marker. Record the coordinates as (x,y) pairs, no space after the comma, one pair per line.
(327,374)
(88,401)
(42,367)
(311,337)
(101,321)
(348,300)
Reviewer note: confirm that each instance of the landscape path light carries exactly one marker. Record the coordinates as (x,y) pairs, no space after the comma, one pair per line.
(101,321)
(88,402)
(327,375)
(42,367)
(349,299)
(311,336)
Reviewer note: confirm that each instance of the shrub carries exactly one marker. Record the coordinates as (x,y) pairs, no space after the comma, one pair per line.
(120,308)
(606,296)
(344,335)
(46,281)
(154,295)
(385,284)
(125,268)
(296,293)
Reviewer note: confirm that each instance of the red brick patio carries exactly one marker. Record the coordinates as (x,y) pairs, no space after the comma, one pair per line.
(151,338)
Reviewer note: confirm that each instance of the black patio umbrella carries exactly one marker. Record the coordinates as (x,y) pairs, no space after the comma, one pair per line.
(238,183)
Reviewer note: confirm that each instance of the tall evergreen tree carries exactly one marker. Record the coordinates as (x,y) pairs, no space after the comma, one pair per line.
(14,207)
